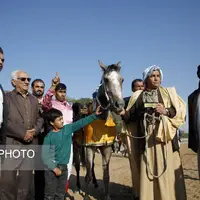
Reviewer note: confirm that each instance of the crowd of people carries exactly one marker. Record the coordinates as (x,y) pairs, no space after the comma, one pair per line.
(23,120)
(152,116)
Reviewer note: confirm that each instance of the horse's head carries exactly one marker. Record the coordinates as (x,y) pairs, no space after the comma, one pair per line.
(77,107)
(112,86)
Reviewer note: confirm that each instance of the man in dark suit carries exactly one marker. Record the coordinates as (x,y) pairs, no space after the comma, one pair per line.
(192,106)
(38,87)
(194,120)
(23,125)
(136,84)
(3,105)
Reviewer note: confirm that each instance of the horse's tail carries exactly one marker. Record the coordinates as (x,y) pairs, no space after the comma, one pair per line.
(83,152)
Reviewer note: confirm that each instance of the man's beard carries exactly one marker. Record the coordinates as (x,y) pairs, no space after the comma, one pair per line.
(38,94)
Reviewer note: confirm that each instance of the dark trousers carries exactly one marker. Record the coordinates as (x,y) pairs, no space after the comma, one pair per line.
(13,187)
(55,185)
(39,185)
(37,190)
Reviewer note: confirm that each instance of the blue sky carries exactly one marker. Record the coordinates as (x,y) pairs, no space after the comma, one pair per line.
(42,37)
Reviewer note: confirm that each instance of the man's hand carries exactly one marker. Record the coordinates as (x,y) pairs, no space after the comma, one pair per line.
(98,112)
(161,109)
(29,135)
(123,112)
(55,81)
(57,171)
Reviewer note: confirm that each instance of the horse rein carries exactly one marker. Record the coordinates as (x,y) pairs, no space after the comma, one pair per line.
(147,135)
(146,146)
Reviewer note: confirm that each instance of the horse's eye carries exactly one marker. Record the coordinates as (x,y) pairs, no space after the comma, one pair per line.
(122,80)
(106,80)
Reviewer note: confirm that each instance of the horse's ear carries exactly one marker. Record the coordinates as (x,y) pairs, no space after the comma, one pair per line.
(119,65)
(103,67)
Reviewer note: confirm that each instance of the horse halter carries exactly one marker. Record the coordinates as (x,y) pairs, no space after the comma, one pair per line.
(108,97)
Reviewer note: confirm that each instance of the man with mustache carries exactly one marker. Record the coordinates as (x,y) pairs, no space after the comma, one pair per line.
(137,84)
(59,90)
(38,87)
(156,113)
(23,126)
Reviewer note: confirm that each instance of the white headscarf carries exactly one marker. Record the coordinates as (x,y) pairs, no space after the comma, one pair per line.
(149,70)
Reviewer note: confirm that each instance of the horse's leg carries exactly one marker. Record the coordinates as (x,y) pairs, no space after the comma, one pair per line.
(119,147)
(89,159)
(106,152)
(90,155)
(113,147)
(77,165)
(94,180)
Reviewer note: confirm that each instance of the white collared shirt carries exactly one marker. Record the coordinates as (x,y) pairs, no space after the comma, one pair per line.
(1,108)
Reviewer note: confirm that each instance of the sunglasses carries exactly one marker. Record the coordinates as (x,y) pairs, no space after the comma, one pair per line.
(2,59)
(24,79)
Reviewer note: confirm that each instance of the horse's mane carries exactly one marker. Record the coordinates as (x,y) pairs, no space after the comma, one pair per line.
(76,107)
(112,67)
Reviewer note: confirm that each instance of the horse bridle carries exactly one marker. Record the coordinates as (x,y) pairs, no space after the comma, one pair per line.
(109,99)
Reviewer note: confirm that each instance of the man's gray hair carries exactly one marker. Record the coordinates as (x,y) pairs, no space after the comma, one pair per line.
(14,74)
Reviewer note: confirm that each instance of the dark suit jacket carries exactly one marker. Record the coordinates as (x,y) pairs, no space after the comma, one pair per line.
(126,100)
(15,129)
(193,134)
(15,125)
(5,117)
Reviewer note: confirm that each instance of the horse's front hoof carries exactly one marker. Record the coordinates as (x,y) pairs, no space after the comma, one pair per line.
(77,191)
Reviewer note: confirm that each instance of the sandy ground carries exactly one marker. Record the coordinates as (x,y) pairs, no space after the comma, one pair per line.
(189,160)
(121,178)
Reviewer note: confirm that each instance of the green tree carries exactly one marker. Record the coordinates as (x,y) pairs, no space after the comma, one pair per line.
(81,100)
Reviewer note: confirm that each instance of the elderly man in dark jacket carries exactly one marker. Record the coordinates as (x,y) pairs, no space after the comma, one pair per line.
(23,125)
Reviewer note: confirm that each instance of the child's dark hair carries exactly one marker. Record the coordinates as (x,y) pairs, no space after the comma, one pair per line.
(60,86)
(51,115)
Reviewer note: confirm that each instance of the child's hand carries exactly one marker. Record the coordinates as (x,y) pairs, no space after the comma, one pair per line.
(57,171)
(98,112)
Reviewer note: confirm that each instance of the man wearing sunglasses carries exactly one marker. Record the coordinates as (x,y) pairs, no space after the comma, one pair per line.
(23,126)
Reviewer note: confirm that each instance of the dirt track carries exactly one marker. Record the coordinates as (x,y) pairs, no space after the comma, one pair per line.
(121,178)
